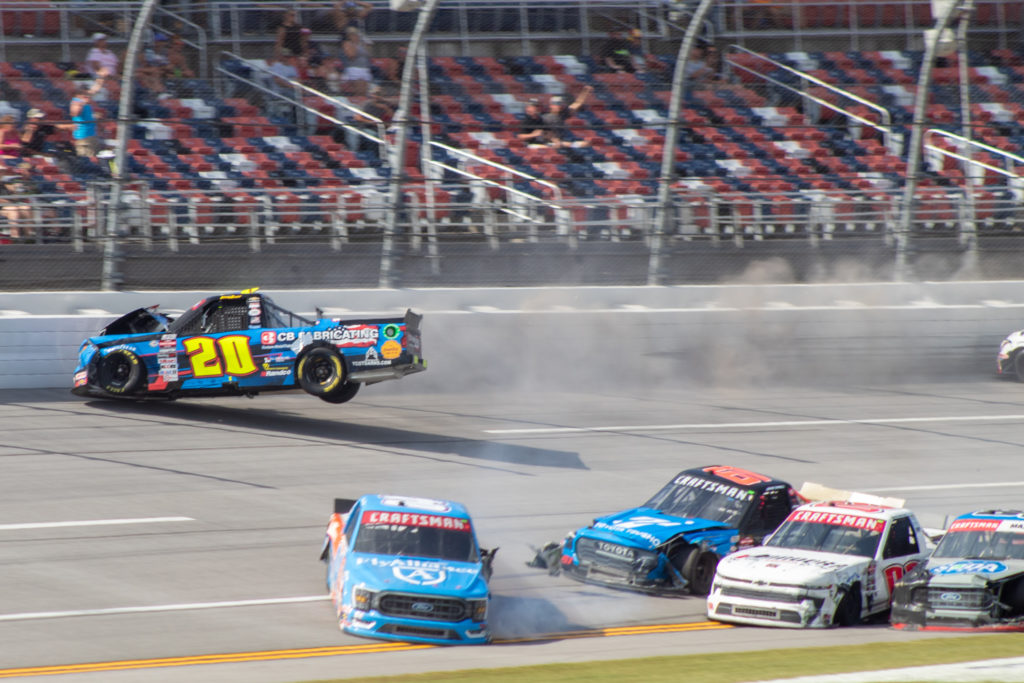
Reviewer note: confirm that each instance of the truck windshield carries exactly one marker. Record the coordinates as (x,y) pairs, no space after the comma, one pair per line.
(692,500)
(416,541)
(828,538)
(988,545)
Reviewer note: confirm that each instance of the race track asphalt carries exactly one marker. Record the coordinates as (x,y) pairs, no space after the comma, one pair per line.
(536,426)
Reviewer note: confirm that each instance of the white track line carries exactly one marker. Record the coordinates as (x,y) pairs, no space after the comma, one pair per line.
(748,425)
(26,616)
(93,522)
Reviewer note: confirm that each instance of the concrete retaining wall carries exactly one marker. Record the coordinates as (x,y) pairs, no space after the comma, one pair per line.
(597,336)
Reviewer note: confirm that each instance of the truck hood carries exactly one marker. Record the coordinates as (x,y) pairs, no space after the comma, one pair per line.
(789,566)
(949,571)
(645,528)
(426,576)
(139,321)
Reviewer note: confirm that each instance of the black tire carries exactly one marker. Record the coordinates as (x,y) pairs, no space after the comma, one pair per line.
(1018,365)
(849,608)
(320,371)
(699,571)
(120,372)
(345,392)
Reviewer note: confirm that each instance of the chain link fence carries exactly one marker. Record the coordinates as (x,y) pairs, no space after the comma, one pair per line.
(794,158)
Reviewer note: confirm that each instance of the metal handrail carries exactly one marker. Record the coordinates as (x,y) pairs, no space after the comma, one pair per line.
(973,143)
(508,169)
(380,139)
(885,127)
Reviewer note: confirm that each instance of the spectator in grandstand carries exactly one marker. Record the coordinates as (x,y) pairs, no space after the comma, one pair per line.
(10,138)
(557,132)
(622,55)
(35,133)
(348,14)
(177,63)
(356,75)
(290,36)
(15,205)
(153,64)
(101,58)
(532,130)
(378,107)
(394,68)
(83,117)
(698,73)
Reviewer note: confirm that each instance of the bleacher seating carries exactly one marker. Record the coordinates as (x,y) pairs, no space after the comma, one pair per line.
(739,140)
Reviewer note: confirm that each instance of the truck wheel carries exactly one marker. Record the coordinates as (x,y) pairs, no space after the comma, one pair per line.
(1018,365)
(321,371)
(849,607)
(342,393)
(699,570)
(120,372)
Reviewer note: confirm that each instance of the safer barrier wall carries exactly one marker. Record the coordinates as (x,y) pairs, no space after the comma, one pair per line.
(603,338)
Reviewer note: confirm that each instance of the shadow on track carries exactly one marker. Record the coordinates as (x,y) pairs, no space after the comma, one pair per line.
(312,428)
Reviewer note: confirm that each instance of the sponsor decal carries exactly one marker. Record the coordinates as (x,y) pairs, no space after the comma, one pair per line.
(419,575)
(838,519)
(255,309)
(351,335)
(371,359)
(737,475)
(416,519)
(1012,525)
(275,372)
(714,486)
(81,378)
(417,572)
(391,349)
(786,559)
(614,550)
(970,567)
(268,338)
(391,331)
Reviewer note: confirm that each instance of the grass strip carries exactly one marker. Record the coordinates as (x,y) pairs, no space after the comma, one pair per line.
(739,667)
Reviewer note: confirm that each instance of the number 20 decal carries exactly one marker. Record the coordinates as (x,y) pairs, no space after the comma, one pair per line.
(234,357)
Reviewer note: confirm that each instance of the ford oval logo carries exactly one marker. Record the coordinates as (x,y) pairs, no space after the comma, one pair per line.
(423,607)
(950,597)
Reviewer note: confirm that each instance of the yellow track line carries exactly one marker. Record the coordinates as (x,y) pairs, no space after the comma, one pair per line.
(334,651)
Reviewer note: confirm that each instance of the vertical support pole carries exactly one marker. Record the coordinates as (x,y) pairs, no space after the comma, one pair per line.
(402,120)
(916,136)
(668,156)
(112,279)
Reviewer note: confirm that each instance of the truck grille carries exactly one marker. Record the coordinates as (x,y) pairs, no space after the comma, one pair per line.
(756,594)
(419,631)
(952,598)
(789,616)
(593,551)
(422,607)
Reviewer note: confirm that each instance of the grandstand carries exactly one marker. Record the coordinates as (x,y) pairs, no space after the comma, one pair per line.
(765,155)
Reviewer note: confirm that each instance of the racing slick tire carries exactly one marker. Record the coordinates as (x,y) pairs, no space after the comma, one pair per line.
(120,372)
(848,610)
(344,392)
(698,569)
(1018,366)
(321,371)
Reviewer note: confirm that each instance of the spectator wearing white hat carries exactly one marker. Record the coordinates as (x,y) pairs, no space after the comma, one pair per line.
(101,59)
(34,133)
